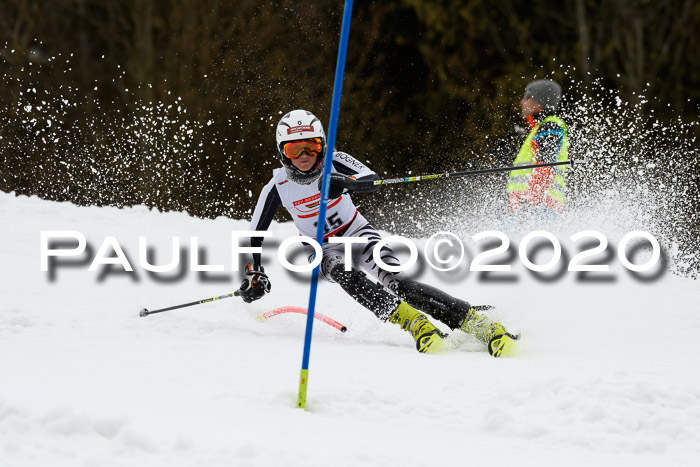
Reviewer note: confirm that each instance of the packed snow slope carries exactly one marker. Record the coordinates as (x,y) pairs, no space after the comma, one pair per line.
(606,375)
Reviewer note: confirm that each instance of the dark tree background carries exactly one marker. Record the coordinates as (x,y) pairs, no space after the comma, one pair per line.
(173,104)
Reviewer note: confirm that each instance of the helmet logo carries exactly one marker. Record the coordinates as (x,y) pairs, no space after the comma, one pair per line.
(299,129)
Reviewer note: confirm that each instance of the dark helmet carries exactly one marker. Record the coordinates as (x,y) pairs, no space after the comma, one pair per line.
(545,92)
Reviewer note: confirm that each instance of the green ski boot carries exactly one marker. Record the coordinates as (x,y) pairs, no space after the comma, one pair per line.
(428,338)
(500,342)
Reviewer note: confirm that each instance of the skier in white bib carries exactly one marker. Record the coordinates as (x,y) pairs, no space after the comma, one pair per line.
(301,146)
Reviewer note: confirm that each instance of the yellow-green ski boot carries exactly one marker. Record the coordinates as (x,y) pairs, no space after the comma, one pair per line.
(500,342)
(428,338)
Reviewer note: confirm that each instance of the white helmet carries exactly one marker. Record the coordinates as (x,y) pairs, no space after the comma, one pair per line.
(297,125)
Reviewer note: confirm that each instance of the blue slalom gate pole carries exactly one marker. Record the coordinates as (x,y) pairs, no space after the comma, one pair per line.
(328,162)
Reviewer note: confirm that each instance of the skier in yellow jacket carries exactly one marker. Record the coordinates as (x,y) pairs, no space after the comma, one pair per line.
(547,141)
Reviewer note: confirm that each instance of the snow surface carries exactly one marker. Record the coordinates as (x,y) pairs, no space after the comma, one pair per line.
(606,375)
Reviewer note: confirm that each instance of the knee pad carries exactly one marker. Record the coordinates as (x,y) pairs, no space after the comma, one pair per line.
(367,293)
(329,263)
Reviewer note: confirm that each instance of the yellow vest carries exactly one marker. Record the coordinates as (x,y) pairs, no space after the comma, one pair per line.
(519,180)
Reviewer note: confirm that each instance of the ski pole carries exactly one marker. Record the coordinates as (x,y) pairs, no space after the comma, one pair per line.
(146,311)
(466,173)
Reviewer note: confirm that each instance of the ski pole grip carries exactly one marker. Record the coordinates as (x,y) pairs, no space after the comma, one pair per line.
(364,186)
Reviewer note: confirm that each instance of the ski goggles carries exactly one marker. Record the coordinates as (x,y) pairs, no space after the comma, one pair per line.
(294,149)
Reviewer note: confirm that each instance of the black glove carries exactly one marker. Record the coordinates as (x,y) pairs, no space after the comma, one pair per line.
(255,285)
(340,184)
